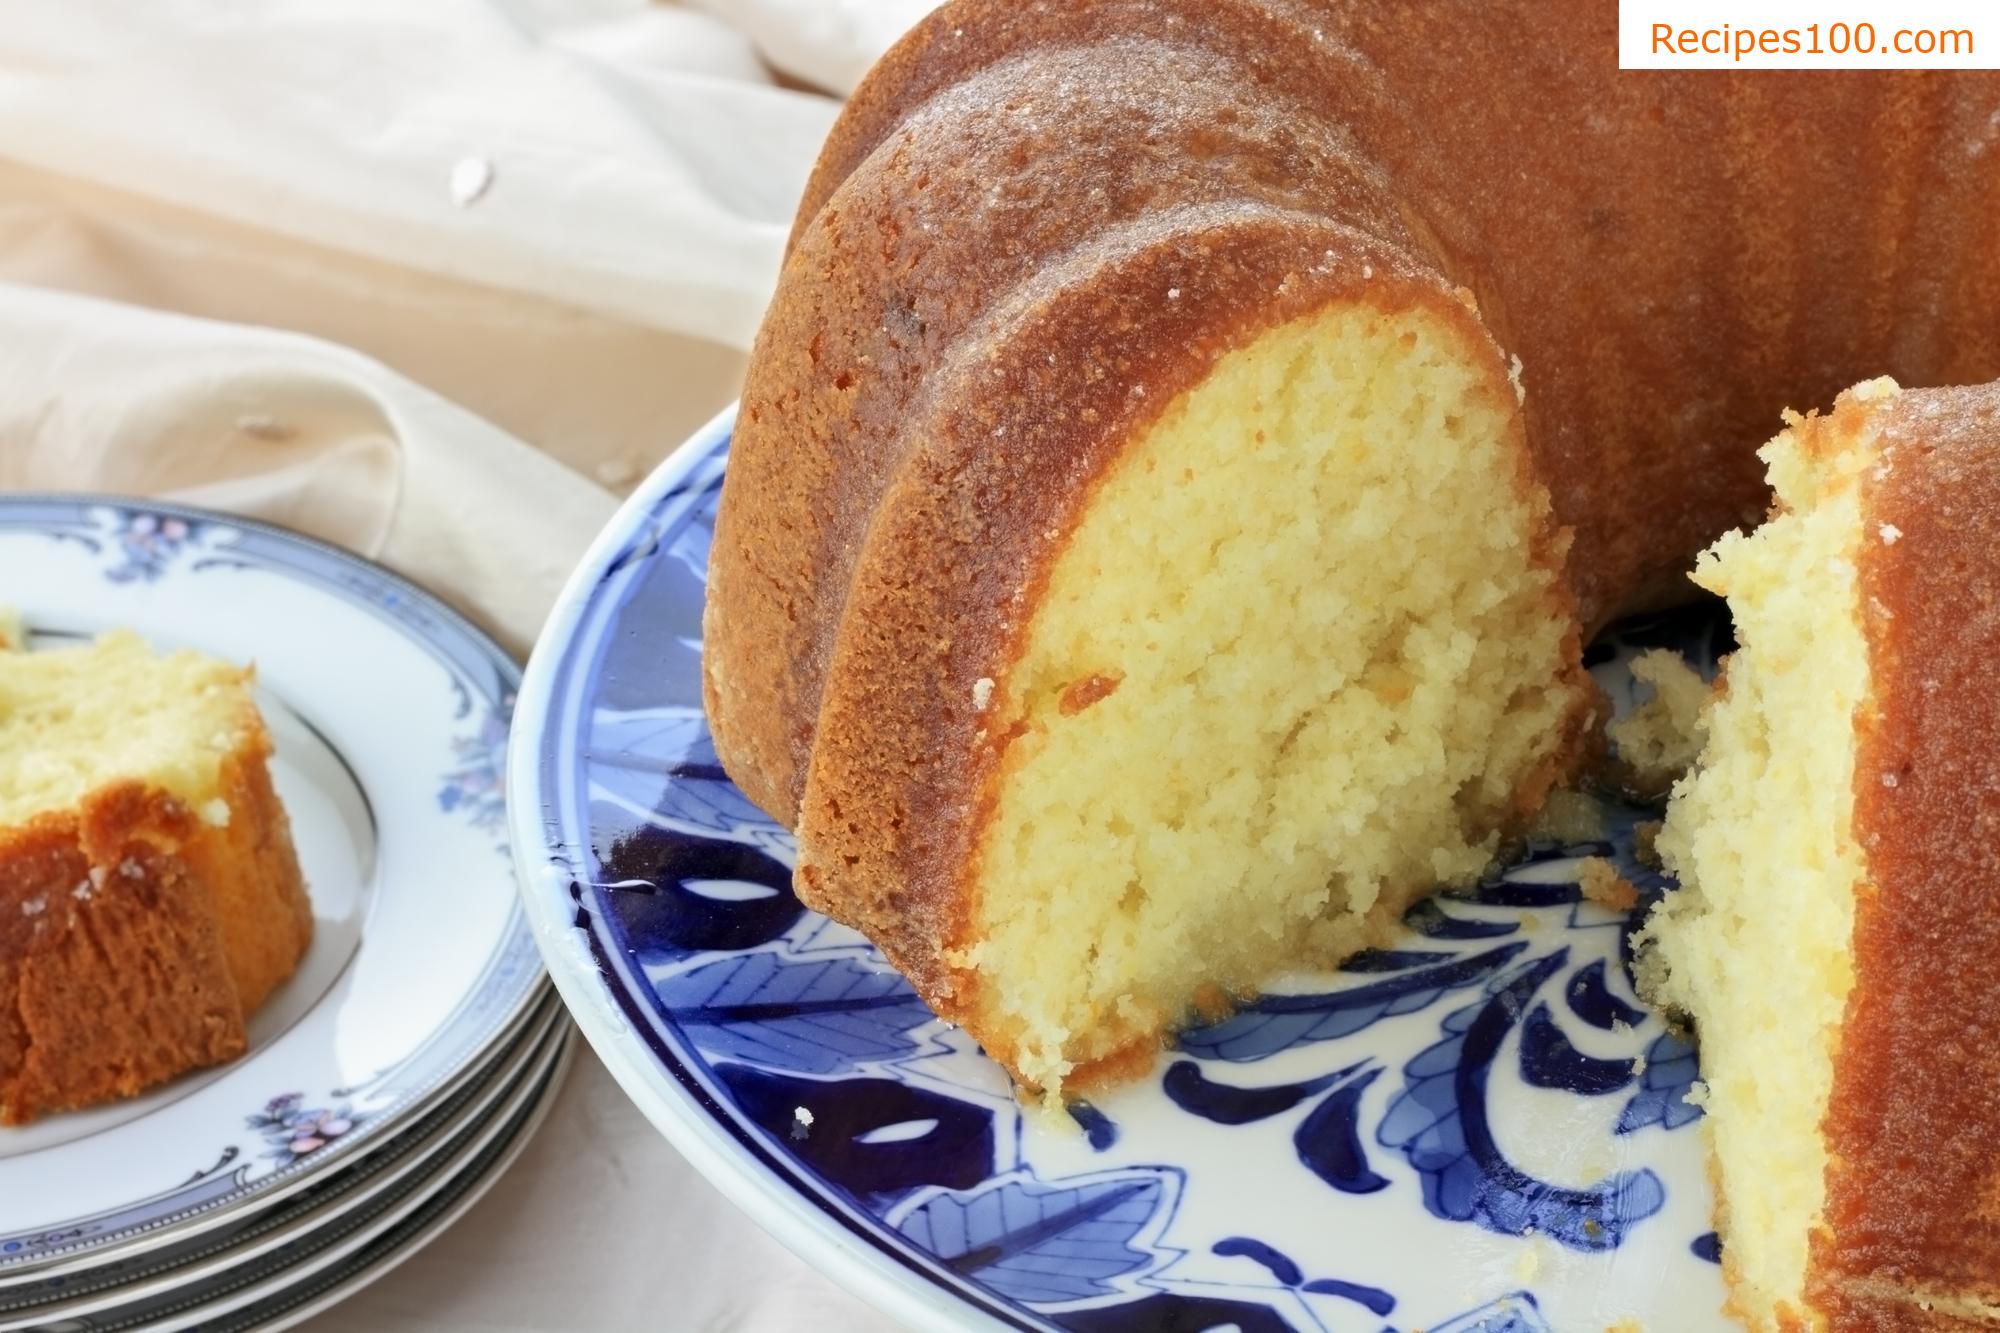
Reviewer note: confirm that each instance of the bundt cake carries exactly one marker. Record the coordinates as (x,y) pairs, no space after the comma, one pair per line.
(1836,939)
(1191,439)
(150,897)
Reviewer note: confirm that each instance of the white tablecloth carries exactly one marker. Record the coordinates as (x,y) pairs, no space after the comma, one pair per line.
(435,281)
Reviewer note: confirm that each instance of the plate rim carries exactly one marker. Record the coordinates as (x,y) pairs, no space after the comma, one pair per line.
(470,1189)
(737,1170)
(477,1162)
(515,932)
(421,1160)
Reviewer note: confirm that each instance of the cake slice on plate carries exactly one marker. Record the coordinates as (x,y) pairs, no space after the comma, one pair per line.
(1836,940)
(150,896)
(1191,441)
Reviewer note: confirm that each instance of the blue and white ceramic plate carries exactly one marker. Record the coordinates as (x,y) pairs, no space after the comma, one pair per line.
(1478,1129)
(390,714)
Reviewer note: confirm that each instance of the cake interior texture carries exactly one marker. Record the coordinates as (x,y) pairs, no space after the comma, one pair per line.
(1754,948)
(1303,659)
(1661,737)
(150,893)
(73,720)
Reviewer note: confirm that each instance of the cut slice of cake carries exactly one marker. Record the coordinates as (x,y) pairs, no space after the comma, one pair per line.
(1836,939)
(1303,659)
(150,896)
(1208,680)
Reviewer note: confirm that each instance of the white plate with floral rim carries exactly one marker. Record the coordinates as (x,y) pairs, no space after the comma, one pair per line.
(1478,1128)
(415,1152)
(390,713)
(281,1305)
(375,1236)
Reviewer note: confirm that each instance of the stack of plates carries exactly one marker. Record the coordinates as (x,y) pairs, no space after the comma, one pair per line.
(398,1073)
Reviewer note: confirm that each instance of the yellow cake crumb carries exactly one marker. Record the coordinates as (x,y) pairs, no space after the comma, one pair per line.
(1527,1263)
(1333,713)
(1569,817)
(1760,836)
(1659,739)
(73,718)
(1646,843)
(1602,884)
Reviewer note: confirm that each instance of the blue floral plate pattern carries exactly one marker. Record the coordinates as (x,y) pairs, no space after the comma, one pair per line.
(1479,1128)
(389,713)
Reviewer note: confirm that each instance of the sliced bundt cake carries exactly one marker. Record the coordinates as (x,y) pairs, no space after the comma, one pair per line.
(1191,439)
(1836,940)
(150,897)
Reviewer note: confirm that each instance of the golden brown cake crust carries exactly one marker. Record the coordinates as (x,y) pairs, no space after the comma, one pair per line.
(1580,203)
(937,248)
(136,938)
(1913,1125)
(1577,202)
(251,872)
(900,717)
(1038,221)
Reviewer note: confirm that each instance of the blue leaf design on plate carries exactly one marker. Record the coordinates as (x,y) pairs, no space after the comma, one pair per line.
(1226,1104)
(1517,893)
(1097,1127)
(1394,960)
(1439,1123)
(868,1135)
(1273,1023)
(818,1017)
(1516,1312)
(1550,1060)
(1277,1261)
(655,659)
(647,874)
(1428,919)
(1590,998)
(1663,1088)
(1706,1247)
(1373,1299)
(663,758)
(1328,1141)
(1170,1312)
(1043,1244)
(1282,1267)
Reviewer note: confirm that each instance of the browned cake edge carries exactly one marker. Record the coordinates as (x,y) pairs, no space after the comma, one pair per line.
(1628,312)
(136,938)
(250,869)
(1912,1235)
(953,41)
(978,204)
(903,775)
